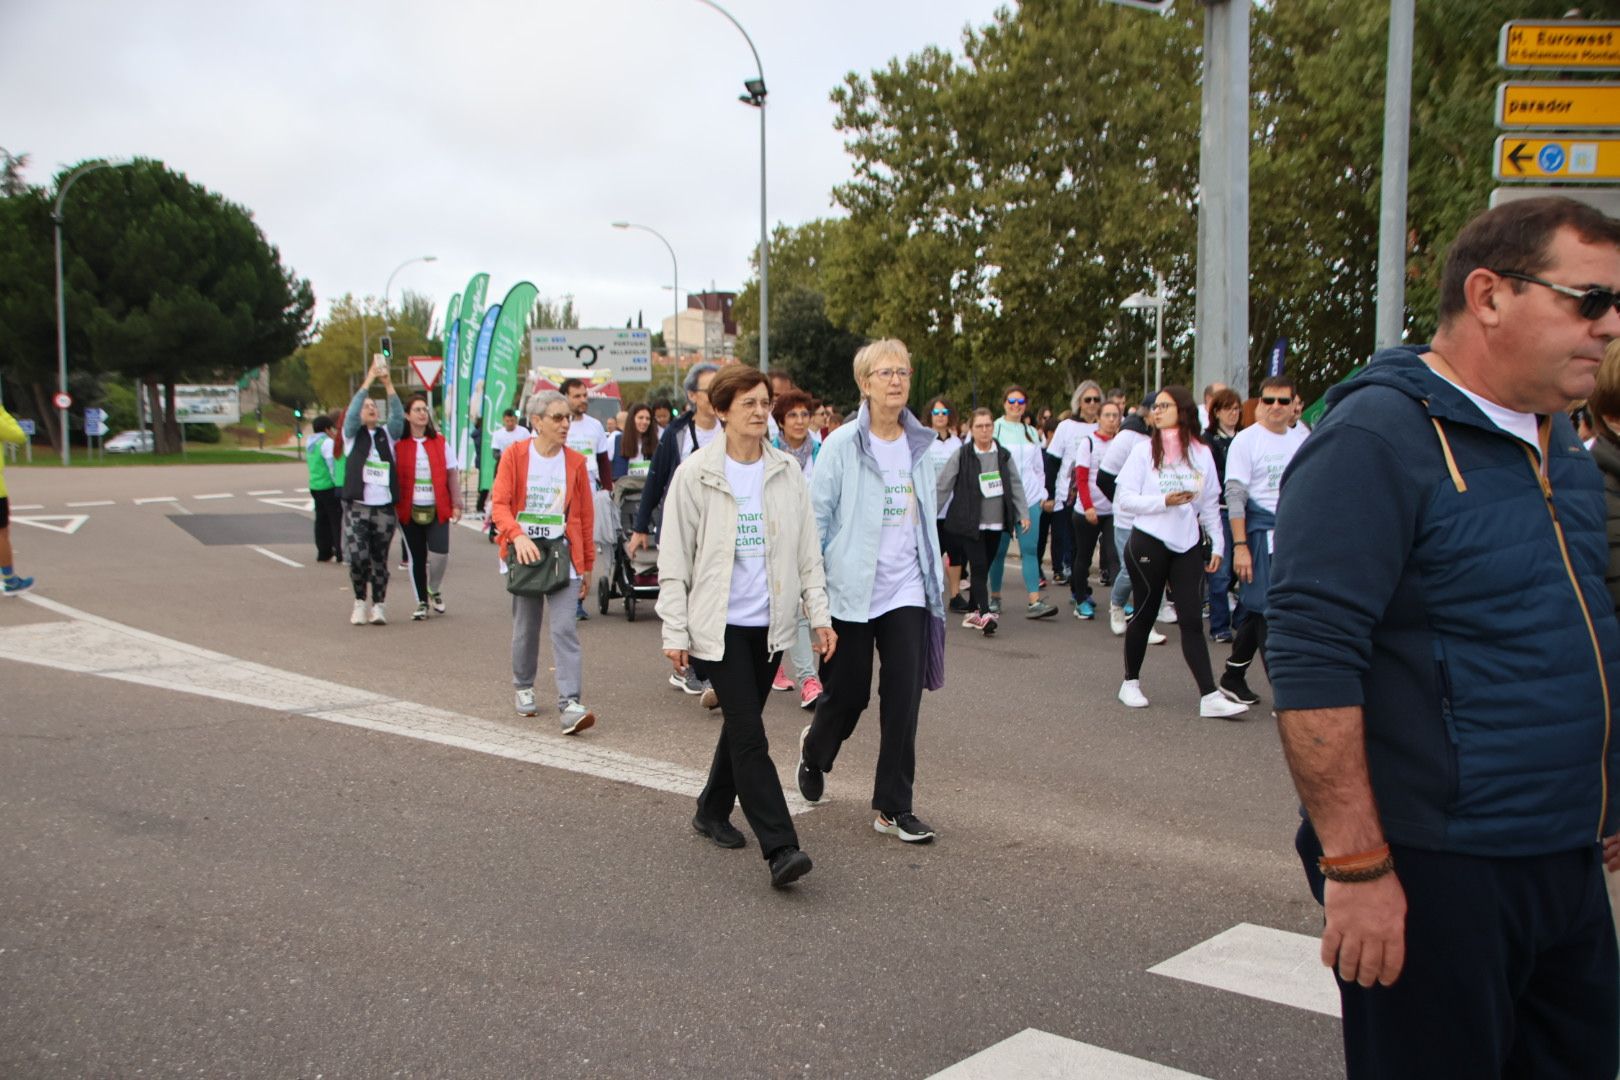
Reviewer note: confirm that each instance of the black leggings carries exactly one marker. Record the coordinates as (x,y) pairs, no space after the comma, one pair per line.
(980,549)
(1151,565)
(427,549)
(1088,538)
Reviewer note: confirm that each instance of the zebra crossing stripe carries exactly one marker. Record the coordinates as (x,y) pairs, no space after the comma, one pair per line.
(1272,965)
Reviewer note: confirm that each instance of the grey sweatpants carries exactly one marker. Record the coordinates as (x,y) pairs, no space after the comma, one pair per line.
(565,653)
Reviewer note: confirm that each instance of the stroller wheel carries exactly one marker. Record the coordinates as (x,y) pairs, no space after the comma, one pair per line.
(630,607)
(602,595)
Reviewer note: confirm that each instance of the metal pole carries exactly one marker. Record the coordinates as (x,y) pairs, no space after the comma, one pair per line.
(1222,315)
(675,353)
(1391,308)
(1158,335)
(61,304)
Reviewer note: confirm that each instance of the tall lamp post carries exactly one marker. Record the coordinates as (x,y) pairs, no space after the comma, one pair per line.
(756,97)
(675,353)
(1139,301)
(61,303)
(365,337)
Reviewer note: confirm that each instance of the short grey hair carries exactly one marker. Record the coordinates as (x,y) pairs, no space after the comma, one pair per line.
(867,359)
(697,371)
(536,403)
(1080,392)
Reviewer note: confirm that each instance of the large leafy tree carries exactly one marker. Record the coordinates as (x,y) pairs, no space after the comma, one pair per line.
(350,334)
(169,282)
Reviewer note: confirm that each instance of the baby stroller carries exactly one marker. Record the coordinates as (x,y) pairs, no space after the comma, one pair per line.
(634,577)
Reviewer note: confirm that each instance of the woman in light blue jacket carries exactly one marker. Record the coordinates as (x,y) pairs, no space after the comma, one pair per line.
(873,493)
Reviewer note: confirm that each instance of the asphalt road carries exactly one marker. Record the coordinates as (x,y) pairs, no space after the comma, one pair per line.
(193,884)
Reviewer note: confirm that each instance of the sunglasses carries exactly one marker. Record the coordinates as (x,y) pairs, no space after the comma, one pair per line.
(1015,401)
(1090,400)
(942,412)
(1276,401)
(1594,302)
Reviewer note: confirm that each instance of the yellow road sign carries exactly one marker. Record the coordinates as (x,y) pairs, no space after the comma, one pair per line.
(1566,159)
(1558,105)
(1562,44)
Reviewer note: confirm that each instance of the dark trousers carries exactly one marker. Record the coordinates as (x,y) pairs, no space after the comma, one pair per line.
(1062,541)
(899,637)
(979,550)
(742,770)
(1087,539)
(328,524)
(1249,640)
(1152,566)
(1510,971)
(420,541)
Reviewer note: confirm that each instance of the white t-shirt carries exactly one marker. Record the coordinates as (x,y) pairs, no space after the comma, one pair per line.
(898,581)
(545,502)
(1113,461)
(501,439)
(1142,489)
(1068,433)
(1521,425)
(587,436)
(422,489)
(374,474)
(940,450)
(749,603)
(704,438)
(1256,459)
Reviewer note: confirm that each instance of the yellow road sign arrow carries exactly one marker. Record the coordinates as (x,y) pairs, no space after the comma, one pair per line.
(1558,159)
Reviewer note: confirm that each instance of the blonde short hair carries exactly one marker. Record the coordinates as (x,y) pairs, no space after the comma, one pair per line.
(868,358)
(1605,400)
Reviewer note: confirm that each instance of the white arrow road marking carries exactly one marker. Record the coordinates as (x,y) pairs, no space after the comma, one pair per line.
(43,521)
(1272,965)
(98,646)
(305,505)
(279,558)
(1039,1055)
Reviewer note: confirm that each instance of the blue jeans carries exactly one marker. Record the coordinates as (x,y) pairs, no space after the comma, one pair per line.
(1220,586)
(1028,557)
(1121,591)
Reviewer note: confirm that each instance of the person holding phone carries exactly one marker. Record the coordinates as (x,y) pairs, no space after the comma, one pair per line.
(370,491)
(1169,487)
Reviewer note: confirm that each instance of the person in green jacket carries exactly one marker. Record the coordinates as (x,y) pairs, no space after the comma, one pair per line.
(11,583)
(323,488)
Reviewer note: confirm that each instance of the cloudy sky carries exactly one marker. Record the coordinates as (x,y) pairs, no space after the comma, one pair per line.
(497,135)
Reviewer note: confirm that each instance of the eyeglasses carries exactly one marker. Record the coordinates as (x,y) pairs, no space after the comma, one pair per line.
(1160,406)
(1595,302)
(1090,400)
(1015,401)
(1276,401)
(942,412)
(758,404)
(564,417)
(888,374)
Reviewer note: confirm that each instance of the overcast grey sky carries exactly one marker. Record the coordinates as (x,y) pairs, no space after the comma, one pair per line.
(499,135)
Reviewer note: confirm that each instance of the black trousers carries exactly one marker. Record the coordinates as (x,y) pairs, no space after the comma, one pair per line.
(1249,640)
(1062,530)
(1510,971)
(328,525)
(979,551)
(742,770)
(1087,539)
(899,637)
(1152,566)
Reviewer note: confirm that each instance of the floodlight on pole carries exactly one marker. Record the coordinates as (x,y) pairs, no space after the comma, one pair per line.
(675,351)
(61,302)
(1141,301)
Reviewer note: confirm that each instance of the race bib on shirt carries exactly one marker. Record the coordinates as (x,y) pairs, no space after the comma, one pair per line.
(537,526)
(990,484)
(639,468)
(375,471)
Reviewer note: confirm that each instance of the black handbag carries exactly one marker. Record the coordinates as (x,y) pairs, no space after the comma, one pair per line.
(545,575)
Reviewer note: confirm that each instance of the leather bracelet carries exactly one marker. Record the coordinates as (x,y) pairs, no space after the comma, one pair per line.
(1356,861)
(1240,543)
(1377,870)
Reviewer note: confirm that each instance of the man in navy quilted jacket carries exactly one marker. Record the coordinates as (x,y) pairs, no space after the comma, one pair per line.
(1445,660)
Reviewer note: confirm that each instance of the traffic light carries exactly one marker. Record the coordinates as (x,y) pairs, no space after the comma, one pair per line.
(388,348)
(298,414)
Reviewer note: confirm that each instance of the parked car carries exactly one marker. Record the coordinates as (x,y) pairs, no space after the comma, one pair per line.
(129,442)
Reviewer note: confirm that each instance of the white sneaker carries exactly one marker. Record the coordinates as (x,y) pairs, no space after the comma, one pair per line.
(1156,638)
(525,702)
(1217,704)
(1116,619)
(1167,612)
(360,614)
(379,617)
(1130,693)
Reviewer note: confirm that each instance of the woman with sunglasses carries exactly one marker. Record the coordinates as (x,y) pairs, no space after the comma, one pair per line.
(1168,485)
(1085,406)
(942,419)
(1225,417)
(1023,442)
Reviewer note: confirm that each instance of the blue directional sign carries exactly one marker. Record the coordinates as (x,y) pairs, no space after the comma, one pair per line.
(1551,158)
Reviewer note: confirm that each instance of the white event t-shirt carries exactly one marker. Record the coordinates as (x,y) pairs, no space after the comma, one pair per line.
(940,450)
(749,603)
(374,473)
(587,436)
(422,488)
(545,503)
(704,438)
(1256,459)
(898,581)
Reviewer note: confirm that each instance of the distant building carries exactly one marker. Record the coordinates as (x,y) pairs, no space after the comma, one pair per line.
(707,330)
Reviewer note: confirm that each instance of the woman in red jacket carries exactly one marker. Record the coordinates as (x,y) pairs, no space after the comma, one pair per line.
(429,500)
(542,492)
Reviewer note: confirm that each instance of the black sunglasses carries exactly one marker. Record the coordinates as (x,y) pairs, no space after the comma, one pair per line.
(1595,302)
(1276,401)
(1090,400)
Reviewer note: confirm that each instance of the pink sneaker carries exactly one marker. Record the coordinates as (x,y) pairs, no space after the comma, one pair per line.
(809,692)
(781,682)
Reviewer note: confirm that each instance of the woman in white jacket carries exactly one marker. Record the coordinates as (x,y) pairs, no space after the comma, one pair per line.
(738,560)
(1169,486)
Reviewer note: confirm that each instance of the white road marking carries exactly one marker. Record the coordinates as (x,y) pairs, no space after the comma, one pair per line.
(29,506)
(306,506)
(278,558)
(1272,965)
(43,521)
(219,495)
(267,491)
(93,645)
(93,502)
(156,499)
(1039,1055)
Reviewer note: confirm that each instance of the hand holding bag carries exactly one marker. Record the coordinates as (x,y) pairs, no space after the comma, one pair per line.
(545,575)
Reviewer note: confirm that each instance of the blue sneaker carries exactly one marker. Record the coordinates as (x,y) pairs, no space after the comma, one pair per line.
(1085,609)
(1130,609)
(16,586)
(579,611)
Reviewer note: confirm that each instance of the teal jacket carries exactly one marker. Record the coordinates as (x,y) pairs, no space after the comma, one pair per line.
(846,491)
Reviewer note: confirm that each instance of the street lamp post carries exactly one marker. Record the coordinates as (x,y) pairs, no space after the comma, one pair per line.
(1138,301)
(365,336)
(756,97)
(675,352)
(61,302)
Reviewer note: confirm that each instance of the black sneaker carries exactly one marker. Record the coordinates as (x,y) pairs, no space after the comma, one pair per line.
(812,781)
(1234,687)
(959,604)
(907,827)
(788,865)
(721,832)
